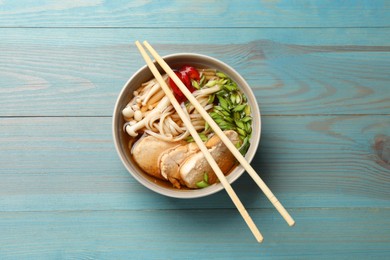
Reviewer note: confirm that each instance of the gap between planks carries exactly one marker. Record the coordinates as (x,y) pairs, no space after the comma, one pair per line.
(265,115)
(194,209)
(194,27)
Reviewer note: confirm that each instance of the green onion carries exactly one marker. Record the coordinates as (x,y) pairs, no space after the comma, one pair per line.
(222,93)
(201,81)
(248,128)
(245,146)
(221,75)
(238,98)
(224,104)
(218,108)
(247,110)
(240,124)
(206,126)
(195,84)
(203,137)
(228,119)
(202,184)
(214,115)
(206,177)
(246,119)
(241,131)
(233,98)
(230,87)
(211,83)
(239,108)
(211,99)
(232,111)
(222,82)
(225,113)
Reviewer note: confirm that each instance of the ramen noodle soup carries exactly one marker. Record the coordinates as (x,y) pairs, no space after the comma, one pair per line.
(160,143)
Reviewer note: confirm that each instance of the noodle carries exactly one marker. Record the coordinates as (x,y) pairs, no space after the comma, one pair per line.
(161,120)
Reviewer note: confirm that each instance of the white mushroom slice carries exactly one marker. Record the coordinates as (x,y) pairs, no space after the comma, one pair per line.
(132,130)
(138,115)
(172,159)
(127,112)
(150,93)
(147,153)
(194,167)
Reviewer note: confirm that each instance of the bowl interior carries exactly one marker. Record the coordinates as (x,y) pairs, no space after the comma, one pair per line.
(121,139)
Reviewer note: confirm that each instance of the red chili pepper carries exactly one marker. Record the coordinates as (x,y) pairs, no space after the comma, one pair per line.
(191,72)
(185,77)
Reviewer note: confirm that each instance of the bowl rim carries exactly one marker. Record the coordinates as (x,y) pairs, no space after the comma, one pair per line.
(193,193)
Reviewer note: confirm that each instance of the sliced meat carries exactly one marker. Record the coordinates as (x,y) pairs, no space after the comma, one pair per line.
(147,152)
(194,167)
(172,159)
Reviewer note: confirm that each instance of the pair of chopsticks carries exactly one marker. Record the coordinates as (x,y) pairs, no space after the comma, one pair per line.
(217,131)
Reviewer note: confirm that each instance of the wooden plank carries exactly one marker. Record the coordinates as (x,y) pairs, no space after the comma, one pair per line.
(79,72)
(307,161)
(201,234)
(308,13)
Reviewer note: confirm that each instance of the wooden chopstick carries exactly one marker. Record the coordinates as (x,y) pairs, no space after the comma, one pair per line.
(201,145)
(290,221)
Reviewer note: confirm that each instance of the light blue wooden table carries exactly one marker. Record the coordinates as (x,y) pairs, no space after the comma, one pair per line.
(320,72)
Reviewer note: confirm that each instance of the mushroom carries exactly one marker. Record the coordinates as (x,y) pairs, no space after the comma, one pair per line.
(132,129)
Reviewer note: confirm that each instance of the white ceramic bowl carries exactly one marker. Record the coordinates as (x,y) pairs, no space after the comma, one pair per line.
(121,138)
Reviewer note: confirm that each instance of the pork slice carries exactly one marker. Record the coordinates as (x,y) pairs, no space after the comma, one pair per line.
(192,170)
(171,160)
(147,153)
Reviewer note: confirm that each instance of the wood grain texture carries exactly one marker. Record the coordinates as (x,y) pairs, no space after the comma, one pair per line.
(308,161)
(194,234)
(79,72)
(265,13)
(319,70)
